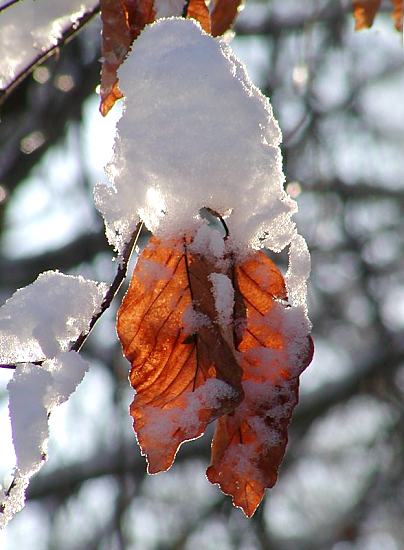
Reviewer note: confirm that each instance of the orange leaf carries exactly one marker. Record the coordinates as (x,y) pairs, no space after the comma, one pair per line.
(249,444)
(184,367)
(122,22)
(364,12)
(197,9)
(223,14)
(397,14)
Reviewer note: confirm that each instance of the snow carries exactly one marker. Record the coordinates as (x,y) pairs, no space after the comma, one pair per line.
(67,370)
(208,242)
(152,272)
(43,318)
(168,8)
(38,323)
(30,27)
(29,416)
(163,424)
(33,391)
(14,502)
(223,293)
(195,132)
(194,320)
(298,271)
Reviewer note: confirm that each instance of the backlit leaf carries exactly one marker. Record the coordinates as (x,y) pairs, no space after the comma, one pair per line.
(249,444)
(197,9)
(365,12)
(223,14)
(398,13)
(122,22)
(184,365)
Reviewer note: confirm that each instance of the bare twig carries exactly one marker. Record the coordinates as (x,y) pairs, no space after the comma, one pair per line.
(8,4)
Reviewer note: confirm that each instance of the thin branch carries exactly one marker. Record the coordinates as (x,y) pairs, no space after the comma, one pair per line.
(68,34)
(113,289)
(109,296)
(185,8)
(8,4)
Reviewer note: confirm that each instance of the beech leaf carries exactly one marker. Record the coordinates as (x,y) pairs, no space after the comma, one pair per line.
(122,22)
(197,9)
(365,12)
(249,444)
(184,365)
(398,14)
(223,14)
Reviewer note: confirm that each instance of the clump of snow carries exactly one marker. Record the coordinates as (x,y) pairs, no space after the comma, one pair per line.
(43,318)
(223,293)
(168,8)
(13,502)
(195,132)
(298,271)
(38,323)
(208,242)
(194,320)
(33,391)
(28,416)
(67,370)
(30,27)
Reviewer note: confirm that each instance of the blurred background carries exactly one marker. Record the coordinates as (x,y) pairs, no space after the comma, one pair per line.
(339,98)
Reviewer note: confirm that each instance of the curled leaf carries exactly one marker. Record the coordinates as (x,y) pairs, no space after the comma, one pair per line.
(184,365)
(223,15)
(364,12)
(398,14)
(249,444)
(197,9)
(122,22)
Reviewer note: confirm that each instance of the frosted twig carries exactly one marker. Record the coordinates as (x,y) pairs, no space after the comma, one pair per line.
(44,55)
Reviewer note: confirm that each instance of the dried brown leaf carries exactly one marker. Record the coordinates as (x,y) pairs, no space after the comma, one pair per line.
(364,12)
(398,14)
(184,365)
(122,22)
(197,9)
(223,15)
(249,444)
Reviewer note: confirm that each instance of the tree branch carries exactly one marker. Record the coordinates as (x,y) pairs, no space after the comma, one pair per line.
(8,4)
(67,35)
(113,289)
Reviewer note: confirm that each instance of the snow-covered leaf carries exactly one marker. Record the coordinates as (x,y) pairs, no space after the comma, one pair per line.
(184,365)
